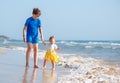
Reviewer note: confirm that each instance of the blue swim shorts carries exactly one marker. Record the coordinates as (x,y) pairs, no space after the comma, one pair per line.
(32,39)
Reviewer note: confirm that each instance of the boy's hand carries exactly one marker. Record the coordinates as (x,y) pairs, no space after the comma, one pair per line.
(24,39)
(44,42)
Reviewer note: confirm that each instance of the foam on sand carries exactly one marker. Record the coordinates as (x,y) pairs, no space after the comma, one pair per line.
(88,70)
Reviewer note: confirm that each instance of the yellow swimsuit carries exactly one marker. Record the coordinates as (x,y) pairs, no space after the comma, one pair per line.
(51,53)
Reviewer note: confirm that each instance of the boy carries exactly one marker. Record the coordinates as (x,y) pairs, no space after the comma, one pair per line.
(30,35)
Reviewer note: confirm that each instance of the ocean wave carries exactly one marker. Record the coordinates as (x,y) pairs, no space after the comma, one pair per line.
(115,44)
(15,48)
(89,47)
(74,47)
(102,47)
(88,43)
(94,45)
(41,53)
(4,41)
(101,43)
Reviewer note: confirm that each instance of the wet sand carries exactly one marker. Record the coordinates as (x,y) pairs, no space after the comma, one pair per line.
(70,69)
(1,51)
(13,70)
(89,70)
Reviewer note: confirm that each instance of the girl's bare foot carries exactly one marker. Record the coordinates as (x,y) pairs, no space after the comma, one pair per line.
(44,68)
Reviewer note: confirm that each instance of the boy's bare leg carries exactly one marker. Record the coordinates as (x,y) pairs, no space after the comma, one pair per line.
(44,64)
(35,55)
(29,45)
(53,65)
(33,75)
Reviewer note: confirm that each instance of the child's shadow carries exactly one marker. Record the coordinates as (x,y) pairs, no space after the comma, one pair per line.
(49,77)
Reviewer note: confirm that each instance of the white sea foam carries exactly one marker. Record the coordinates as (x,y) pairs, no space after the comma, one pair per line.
(88,70)
(5,41)
(89,47)
(15,48)
(92,44)
(115,44)
(41,53)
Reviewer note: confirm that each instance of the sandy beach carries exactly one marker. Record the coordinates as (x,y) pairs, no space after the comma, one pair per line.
(70,69)
(89,70)
(13,69)
(1,51)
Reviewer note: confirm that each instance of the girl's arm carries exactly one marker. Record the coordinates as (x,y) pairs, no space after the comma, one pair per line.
(57,48)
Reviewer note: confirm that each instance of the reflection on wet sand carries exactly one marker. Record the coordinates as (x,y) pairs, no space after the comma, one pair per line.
(25,76)
(49,77)
(33,75)
(44,77)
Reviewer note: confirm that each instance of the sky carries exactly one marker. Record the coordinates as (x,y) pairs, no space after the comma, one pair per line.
(65,19)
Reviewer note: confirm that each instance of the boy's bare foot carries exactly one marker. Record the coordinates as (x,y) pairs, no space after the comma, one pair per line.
(27,65)
(36,66)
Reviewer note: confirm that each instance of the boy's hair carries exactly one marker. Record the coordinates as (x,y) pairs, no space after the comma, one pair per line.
(51,37)
(36,11)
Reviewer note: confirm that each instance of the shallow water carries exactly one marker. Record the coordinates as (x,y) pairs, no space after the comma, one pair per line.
(72,68)
(107,50)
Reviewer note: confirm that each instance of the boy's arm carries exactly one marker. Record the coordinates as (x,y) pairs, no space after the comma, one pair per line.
(41,35)
(24,34)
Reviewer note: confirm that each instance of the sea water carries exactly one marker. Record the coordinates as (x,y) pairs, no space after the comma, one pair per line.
(107,50)
(73,68)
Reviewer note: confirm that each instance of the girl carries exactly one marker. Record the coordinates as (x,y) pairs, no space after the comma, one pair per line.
(51,53)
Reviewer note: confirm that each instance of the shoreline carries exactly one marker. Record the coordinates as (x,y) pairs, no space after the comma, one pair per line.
(69,69)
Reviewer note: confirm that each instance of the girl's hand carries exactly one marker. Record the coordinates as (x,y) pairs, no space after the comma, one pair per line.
(58,49)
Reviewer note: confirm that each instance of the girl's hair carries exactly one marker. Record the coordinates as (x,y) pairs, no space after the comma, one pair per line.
(36,11)
(51,37)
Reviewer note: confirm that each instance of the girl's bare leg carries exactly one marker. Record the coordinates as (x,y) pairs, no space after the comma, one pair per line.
(53,65)
(44,64)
